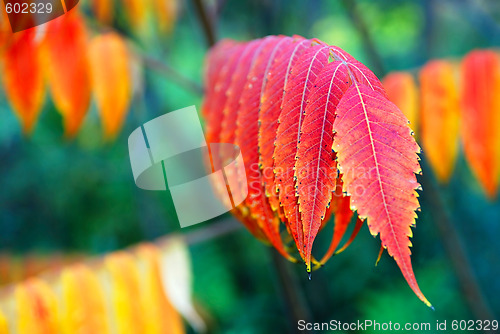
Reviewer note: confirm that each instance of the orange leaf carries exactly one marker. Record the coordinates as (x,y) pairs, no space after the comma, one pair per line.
(110,65)
(439,117)
(166,14)
(66,63)
(481,117)
(377,157)
(103,10)
(403,92)
(23,78)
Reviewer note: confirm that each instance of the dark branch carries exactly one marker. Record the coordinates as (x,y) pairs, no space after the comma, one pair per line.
(206,22)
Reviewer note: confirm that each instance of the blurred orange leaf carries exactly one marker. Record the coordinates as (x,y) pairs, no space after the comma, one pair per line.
(23,77)
(65,59)
(481,116)
(439,116)
(403,92)
(103,10)
(110,65)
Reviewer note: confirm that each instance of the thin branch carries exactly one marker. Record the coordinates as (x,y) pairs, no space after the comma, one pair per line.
(368,44)
(206,22)
(171,73)
(455,250)
(295,301)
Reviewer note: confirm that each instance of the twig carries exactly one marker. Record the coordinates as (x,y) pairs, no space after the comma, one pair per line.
(171,73)
(295,301)
(206,22)
(368,44)
(455,250)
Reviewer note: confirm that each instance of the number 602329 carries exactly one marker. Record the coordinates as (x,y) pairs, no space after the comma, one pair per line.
(28,8)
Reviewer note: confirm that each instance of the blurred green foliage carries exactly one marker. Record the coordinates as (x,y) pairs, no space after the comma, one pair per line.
(80,196)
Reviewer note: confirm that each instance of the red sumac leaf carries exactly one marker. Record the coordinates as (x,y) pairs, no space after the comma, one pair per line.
(315,167)
(377,156)
(302,77)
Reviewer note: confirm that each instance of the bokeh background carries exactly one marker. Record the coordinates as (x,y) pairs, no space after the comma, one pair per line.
(78,196)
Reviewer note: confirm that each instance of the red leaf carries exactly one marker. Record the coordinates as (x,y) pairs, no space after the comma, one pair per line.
(315,167)
(274,90)
(247,138)
(378,159)
(302,77)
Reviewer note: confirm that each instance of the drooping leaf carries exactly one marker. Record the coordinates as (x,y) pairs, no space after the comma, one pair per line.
(66,63)
(315,167)
(270,109)
(111,80)
(23,77)
(439,116)
(481,117)
(403,92)
(302,77)
(378,159)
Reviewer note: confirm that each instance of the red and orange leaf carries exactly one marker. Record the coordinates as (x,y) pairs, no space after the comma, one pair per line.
(65,60)
(481,117)
(270,109)
(439,117)
(302,77)
(315,167)
(403,92)
(23,78)
(247,139)
(111,80)
(377,157)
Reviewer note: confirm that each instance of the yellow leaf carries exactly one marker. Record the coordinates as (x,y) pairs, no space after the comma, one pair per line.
(166,14)
(128,314)
(36,308)
(110,64)
(159,314)
(84,308)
